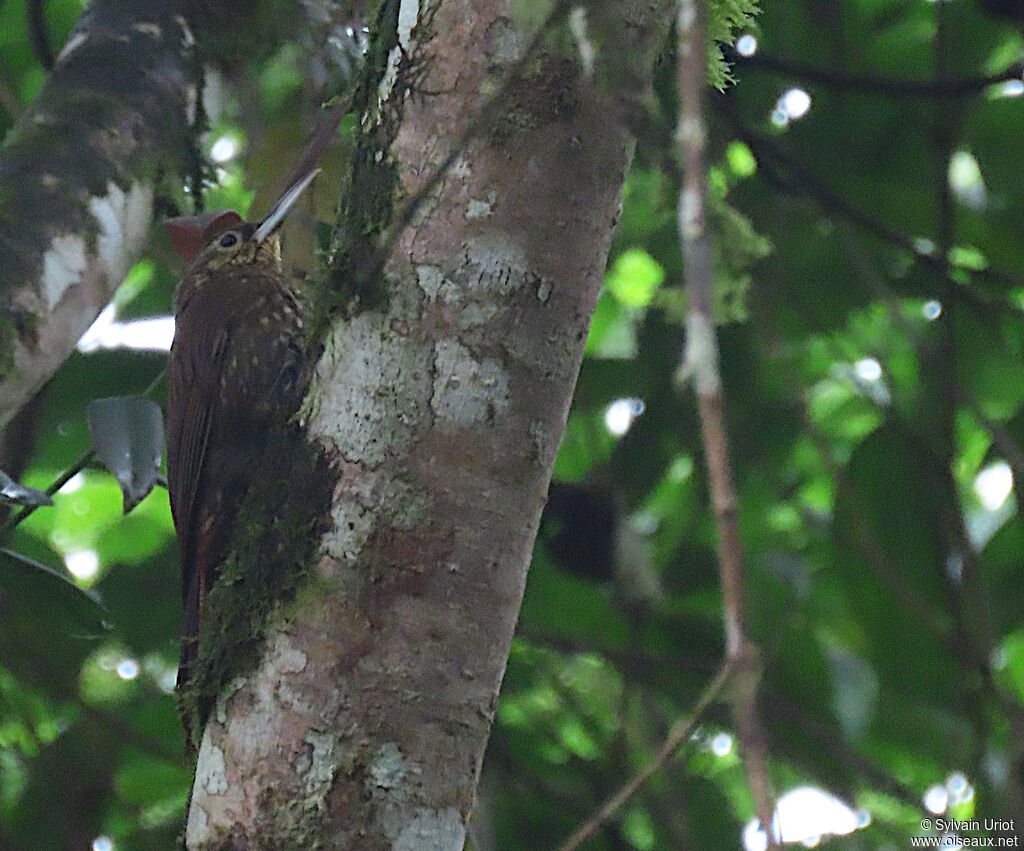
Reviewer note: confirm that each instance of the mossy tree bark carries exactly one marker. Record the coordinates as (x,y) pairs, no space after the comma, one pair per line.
(441,405)
(77,179)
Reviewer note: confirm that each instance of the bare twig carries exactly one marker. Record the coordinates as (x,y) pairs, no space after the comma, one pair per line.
(79,464)
(18,441)
(943,87)
(701,364)
(794,177)
(679,733)
(38,33)
(793,714)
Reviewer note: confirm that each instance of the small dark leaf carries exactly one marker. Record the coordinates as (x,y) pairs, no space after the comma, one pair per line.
(12,492)
(26,579)
(128,435)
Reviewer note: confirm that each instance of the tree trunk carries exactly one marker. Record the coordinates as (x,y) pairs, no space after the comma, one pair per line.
(441,406)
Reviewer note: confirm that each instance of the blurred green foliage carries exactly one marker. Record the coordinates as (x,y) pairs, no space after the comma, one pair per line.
(874,377)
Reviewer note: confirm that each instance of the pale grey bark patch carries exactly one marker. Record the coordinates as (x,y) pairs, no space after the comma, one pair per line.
(374,383)
(408,17)
(432,830)
(322,764)
(123,219)
(390,781)
(219,792)
(430,279)
(149,28)
(63,265)
(481,209)
(467,390)
(388,769)
(213,779)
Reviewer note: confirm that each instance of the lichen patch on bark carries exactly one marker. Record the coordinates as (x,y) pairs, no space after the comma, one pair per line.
(373,384)
(388,769)
(149,28)
(408,17)
(357,502)
(63,265)
(467,390)
(187,38)
(322,765)
(480,209)
(253,733)
(430,279)
(211,777)
(432,830)
(197,828)
(123,220)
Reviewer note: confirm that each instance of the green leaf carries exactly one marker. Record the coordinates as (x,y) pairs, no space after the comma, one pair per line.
(128,435)
(25,581)
(634,278)
(740,159)
(612,330)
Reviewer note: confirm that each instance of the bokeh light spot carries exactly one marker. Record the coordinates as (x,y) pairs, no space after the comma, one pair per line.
(83,564)
(619,415)
(746,45)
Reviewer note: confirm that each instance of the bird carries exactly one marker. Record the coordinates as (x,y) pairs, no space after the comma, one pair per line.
(237,369)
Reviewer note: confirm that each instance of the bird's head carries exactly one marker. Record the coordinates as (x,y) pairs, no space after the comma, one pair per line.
(212,241)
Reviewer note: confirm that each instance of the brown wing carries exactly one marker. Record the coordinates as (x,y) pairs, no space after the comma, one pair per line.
(193,380)
(193,372)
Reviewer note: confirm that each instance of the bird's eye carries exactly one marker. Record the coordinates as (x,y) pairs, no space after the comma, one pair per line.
(227,240)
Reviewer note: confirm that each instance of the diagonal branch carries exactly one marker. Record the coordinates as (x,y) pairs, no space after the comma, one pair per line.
(77,181)
(794,177)
(941,87)
(679,733)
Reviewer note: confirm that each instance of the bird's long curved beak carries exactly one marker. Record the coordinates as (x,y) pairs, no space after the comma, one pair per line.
(283,205)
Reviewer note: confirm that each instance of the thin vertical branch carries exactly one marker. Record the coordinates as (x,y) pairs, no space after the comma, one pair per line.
(701,365)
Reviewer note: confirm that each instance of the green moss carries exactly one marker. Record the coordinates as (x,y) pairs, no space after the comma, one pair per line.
(353,278)
(276,535)
(726,18)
